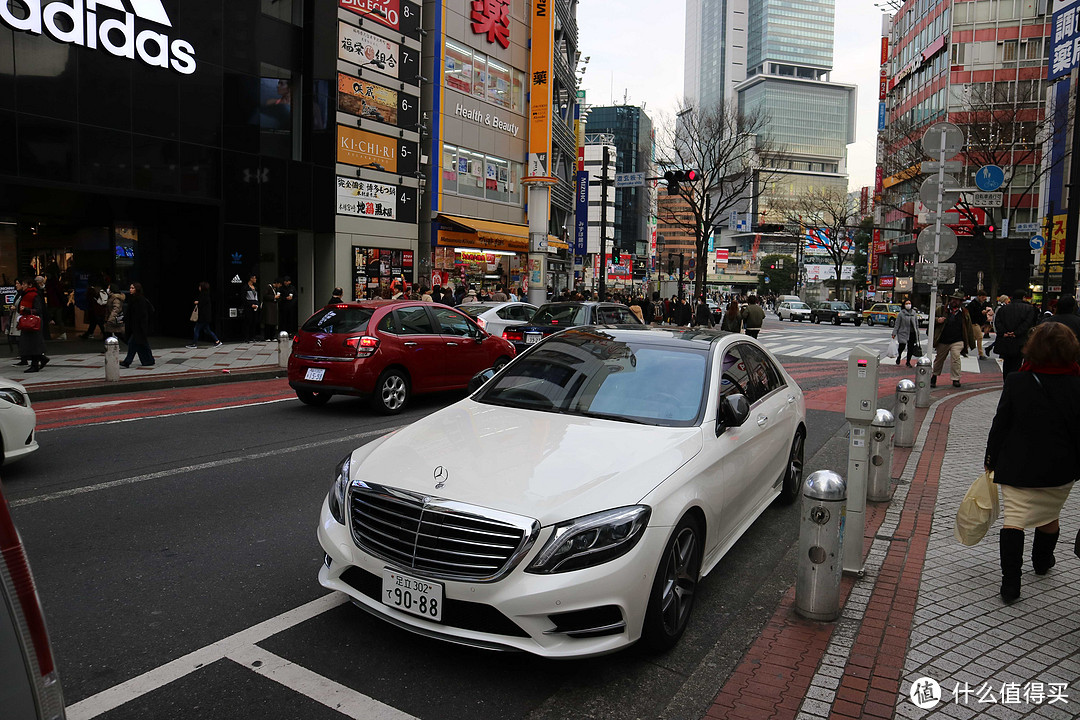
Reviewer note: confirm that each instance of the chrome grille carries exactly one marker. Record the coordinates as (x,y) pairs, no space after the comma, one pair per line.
(437,537)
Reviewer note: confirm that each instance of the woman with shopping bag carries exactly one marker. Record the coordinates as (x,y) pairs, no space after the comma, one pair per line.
(1032,449)
(906,333)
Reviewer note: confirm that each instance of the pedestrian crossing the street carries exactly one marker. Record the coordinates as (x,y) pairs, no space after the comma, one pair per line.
(835,343)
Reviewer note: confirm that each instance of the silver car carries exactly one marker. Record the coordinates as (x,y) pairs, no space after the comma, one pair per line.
(494,317)
(793,311)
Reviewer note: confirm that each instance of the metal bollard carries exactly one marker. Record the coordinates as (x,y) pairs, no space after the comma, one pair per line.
(905,414)
(284,348)
(923,372)
(879,483)
(821,546)
(112,360)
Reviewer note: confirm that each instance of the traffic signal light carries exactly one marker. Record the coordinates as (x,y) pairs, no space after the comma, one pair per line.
(670,265)
(614,254)
(674,177)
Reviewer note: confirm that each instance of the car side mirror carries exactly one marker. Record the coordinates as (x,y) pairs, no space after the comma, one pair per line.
(734,409)
(480,378)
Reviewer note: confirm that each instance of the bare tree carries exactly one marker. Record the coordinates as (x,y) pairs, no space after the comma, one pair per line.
(731,154)
(828,212)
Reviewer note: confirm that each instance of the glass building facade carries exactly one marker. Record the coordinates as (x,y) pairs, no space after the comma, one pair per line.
(807,119)
(791,32)
(632,131)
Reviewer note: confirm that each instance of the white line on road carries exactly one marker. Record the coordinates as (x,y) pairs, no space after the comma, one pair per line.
(95,405)
(195,468)
(117,695)
(322,690)
(169,415)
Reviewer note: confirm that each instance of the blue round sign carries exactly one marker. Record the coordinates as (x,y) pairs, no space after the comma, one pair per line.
(1037,242)
(989,178)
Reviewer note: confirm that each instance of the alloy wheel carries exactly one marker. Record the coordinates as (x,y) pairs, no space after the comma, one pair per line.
(680,581)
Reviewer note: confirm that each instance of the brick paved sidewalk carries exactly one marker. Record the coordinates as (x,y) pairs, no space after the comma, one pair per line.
(926,606)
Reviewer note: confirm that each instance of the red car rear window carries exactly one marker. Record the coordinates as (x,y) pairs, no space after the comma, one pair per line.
(337,320)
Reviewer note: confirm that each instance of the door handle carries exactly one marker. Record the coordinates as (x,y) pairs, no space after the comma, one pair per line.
(452,343)
(411,344)
(762,419)
(791,399)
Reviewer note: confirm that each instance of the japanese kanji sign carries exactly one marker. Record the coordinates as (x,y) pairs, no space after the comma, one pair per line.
(1064,39)
(492,18)
(400,15)
(363,198)
(543,40)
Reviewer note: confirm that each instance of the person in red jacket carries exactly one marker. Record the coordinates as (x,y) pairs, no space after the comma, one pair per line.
(32,342)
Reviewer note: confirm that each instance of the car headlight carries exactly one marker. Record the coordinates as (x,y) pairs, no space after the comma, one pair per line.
(336,497)
(592,540)
(13,396)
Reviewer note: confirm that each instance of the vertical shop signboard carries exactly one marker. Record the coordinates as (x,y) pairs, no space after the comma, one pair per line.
(543,40)
(581,213)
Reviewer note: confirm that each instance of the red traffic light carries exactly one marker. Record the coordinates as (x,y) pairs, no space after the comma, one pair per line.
(691,174)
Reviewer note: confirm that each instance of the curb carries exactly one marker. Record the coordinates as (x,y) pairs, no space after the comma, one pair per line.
(87,388)
(800,668)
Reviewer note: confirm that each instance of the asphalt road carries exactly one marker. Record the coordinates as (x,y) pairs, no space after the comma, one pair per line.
(164,533)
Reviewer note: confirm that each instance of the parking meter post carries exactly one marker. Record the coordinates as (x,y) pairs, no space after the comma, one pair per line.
(112,360)
(821,546)
(904,410)
(879,486)
(284,348)
(860,408)
(923,372)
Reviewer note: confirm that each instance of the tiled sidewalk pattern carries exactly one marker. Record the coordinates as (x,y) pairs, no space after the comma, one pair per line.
(963,633)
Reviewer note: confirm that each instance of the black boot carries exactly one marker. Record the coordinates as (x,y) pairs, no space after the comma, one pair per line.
(34,367)
(1042,551)
(1011,545)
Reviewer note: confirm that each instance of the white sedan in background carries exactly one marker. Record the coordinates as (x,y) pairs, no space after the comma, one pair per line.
(494,317)
(17,422)
(793,311)
(629,462)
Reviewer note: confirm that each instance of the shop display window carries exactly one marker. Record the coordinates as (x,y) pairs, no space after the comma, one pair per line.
(459,68)
(471,182)
(480,74)
(477,175)
(498,85)
(449,169)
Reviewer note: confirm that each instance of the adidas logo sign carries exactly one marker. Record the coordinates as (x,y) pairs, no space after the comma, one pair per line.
(77,22)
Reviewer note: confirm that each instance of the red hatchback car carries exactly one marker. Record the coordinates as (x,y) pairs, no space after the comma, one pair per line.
(389,349)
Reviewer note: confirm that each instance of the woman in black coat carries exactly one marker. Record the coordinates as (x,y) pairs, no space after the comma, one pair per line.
(32,342)
(137,325)
(1032,449)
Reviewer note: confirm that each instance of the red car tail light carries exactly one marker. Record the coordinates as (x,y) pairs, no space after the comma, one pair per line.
(513,335)
(482,323)
(364,346)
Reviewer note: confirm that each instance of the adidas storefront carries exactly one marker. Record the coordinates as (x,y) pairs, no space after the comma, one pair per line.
(168,142)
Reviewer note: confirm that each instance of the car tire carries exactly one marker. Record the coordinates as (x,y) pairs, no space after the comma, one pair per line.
(391,392)
(791,485)
(858,323)
(672,598)
(892,322)
(870,322)
(500,363)
(836,321)
(313,397)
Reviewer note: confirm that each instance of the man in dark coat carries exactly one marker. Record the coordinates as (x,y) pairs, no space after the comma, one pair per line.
(1066,314)
(1013,323)
(683,313)
(287,312)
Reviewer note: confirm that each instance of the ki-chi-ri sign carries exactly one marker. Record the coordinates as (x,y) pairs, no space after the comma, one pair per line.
(142,33)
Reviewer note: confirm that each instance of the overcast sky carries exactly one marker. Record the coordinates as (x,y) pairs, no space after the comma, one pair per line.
(636,48)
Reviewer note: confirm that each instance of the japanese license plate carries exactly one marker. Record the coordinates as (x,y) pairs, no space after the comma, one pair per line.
(412,595)
(315,374)
(532,338)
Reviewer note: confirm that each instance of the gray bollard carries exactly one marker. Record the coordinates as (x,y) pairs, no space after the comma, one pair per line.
(112,360)
(905,414)
(284,348)
(879,483)
(923,372)
(821,546)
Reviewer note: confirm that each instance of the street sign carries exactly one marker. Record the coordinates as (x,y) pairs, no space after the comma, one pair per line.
(928,192)
(1027,227)
(629,179)
(1037,242)
(983,199)
(942,135)
(946,246)
(949,217)
(946,273)
(989,178)
(932,166)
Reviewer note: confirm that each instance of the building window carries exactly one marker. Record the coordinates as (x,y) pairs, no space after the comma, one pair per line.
(1008,51)
(459,68)
(475,174)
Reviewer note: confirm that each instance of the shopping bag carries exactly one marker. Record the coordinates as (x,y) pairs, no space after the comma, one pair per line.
(195,314)
(978,510)
(894,348)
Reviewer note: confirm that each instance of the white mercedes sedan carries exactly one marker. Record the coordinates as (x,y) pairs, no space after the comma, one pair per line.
(572,504)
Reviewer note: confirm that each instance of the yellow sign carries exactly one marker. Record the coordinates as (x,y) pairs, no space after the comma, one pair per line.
(483,241)
(358,147)
(366,99)
(1055,249)
(901,176)
(543,41)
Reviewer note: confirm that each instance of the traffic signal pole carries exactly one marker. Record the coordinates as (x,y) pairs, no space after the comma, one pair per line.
(603,226)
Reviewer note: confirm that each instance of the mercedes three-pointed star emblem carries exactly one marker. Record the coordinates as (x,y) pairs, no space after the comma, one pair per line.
(441,476)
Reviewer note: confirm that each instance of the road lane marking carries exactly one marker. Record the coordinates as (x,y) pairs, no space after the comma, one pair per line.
(94,405)
(321,689)
(195,468)
(87,423)
(162,675)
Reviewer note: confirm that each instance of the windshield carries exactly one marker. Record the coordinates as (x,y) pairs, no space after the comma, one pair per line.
(799,306)
(593,375)
(841,306)
(339,320)
(560,314)
(474,310)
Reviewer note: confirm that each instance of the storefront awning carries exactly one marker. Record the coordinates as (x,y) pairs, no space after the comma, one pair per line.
(482,234)
(555,242)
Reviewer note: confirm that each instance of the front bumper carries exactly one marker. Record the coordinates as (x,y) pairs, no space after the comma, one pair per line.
(512,613)
(19,436)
